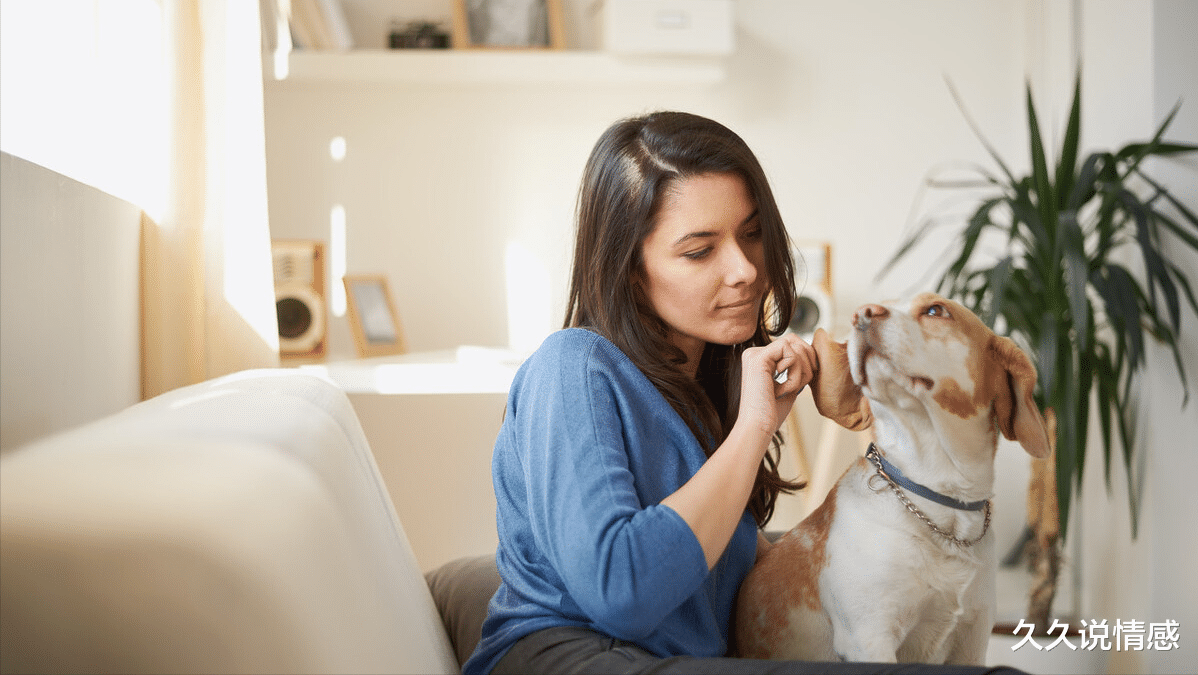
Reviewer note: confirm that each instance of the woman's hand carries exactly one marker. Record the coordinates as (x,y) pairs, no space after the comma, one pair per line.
(713,501)
(771,378)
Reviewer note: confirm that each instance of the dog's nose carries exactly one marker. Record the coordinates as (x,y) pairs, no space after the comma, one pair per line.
(868,314)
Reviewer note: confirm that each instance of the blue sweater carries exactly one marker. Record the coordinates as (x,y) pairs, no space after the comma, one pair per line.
(587,451)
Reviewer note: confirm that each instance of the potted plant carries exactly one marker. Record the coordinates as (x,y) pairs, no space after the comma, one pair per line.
(1059,287)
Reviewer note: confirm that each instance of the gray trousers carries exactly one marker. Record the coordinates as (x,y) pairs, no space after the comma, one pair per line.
(566,650)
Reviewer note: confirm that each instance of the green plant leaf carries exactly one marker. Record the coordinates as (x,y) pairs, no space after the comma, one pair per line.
(1041,183)
(1107,389)
(977,131)
(1068,159)
(1185,212)
(1025,211)
(1047,354)
(1058,289)
(998,278)
(1154,263)
(1182,281)
(1121,293)
(1083,189)
(905,247)
(1128,422)
(1137,151)
(969,239)
(1177,230)
(1077,276)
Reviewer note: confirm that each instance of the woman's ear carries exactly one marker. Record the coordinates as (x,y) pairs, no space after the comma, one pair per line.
(836,396)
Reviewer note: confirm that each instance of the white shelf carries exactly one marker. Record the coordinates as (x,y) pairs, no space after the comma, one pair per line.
(465,370)
(498,66)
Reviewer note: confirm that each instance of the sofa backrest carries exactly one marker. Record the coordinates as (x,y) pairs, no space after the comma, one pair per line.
(238,525)
(69,261)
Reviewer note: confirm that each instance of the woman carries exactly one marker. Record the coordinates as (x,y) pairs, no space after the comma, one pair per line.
(631,473)
(634,466)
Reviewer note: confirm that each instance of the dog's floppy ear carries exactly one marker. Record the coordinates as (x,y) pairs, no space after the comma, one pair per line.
(1014,405)
(837,397)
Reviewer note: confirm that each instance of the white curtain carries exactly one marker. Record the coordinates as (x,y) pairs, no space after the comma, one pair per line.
(207,290)
(159,103)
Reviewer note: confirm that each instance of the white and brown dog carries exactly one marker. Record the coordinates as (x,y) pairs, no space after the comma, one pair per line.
(898,563)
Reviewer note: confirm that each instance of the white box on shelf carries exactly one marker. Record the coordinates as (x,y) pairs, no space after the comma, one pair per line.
(679,27)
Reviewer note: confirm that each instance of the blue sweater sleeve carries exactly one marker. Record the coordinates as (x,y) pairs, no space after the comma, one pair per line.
(599,449)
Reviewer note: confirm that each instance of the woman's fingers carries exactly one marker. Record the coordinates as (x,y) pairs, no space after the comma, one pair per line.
(772,377)
(795,366)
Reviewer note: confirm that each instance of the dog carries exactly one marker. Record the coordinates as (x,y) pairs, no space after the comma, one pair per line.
(898,564)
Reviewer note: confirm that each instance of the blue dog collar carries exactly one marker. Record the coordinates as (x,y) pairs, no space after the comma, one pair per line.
(892,472)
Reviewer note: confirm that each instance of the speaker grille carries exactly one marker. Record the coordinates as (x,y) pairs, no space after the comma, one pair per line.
(806,317)
(295,318)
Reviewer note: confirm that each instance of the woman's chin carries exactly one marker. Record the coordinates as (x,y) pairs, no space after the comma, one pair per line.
(735,335)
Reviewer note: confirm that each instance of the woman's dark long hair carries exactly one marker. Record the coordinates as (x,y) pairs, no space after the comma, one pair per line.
(630,171)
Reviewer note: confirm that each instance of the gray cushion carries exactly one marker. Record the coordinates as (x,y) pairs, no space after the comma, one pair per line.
(462,589)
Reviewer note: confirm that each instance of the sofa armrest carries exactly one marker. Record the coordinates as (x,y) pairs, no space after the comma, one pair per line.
(239,525)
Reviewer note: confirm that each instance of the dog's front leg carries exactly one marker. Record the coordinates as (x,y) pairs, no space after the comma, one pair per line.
(864,629)
(971,638)
(865,643)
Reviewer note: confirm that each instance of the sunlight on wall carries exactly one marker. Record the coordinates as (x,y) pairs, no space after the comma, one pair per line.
(281,58)
(236,163)
(337,148)
(337,264)
(84,90)
(528,302)
(338,255)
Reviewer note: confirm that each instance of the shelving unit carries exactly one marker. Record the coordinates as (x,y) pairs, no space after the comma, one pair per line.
(497,66)
(481,66)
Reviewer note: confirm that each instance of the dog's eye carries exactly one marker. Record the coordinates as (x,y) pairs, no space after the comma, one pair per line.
(937,310)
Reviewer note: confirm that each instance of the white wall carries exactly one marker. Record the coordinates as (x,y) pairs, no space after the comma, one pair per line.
(1171,498)
(1141,59)
(845,103)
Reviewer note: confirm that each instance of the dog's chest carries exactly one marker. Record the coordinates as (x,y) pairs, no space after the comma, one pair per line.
(929,586)
(947,593)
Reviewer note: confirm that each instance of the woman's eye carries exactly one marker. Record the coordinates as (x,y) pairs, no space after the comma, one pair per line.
(937,310)
(697,255)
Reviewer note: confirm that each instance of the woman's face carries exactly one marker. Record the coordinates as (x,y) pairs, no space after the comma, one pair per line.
(704,271)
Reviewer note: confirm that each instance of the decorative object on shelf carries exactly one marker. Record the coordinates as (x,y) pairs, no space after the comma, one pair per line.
(669,27)
(418,35)
(508,24)
(372,316)
(300,298)
(1061,289)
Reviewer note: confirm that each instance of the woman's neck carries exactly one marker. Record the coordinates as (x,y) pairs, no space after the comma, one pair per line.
(693,349)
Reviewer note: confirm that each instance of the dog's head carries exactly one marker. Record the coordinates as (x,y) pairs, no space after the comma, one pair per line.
(933,353)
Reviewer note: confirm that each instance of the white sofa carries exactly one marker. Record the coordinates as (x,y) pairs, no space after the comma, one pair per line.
(239,525)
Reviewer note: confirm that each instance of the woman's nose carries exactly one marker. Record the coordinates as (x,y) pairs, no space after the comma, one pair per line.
(741,269)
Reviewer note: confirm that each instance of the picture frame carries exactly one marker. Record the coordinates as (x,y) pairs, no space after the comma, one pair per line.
(372,317)
(508,24)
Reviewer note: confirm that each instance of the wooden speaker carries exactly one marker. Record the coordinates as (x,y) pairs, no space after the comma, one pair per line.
(813,279)
(300,298)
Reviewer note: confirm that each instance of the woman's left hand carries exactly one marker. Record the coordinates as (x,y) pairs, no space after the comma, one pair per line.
(713,501)
(771,378)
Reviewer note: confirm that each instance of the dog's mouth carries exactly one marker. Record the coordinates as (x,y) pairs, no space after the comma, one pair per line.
(861,370)
(922,380)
